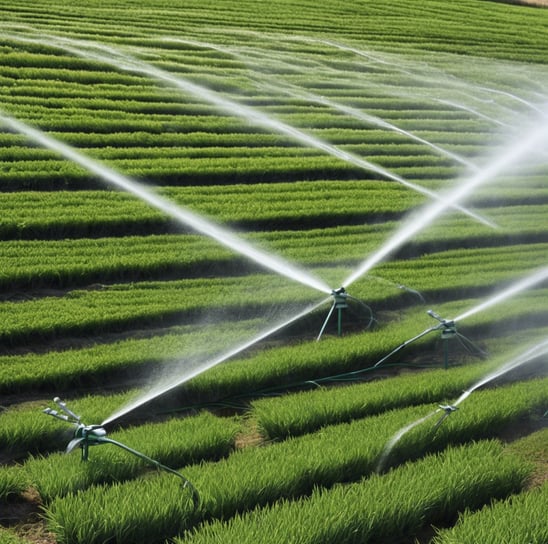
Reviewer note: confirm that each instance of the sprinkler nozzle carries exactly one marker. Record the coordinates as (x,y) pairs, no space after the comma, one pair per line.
(433,314)
(448,408)
(69,415)
(449,327)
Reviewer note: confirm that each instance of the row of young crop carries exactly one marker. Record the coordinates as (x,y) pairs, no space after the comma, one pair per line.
(67,262)
(259,476)
(150,112)
(53,174)
(248,203)
(65,214)
(280,417)
(117,307)
(121,305)
(380,508)
(120,360)
(175,442)
(515,520)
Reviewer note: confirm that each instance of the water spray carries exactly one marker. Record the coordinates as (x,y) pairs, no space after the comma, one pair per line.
(182,215)
(128,63)
(531,354)
(448,326)
(95,435)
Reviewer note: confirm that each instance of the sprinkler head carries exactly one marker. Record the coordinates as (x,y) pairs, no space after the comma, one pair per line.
(340,295)
(84,435)
(91,433)
(449,327)
(448,408)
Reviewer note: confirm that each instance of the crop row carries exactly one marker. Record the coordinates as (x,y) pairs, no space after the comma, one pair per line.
(176,442)
(134,159)
(119,305)
(280,417)
(153,108)
(300,205)
(59,263)
(188,118)
(260,476)
(381,508)
(518,519)
(126,358)
(301,114)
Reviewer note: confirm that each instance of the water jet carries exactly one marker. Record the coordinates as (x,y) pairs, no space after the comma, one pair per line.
(183,215)
(530,354)
(448,326)
(128,63)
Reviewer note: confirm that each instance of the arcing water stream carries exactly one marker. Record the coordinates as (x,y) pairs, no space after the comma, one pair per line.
(301,94)
(182,215)
(531,354)
(521,285)
(127,63)
(376,121)
(509,157)
(190,372)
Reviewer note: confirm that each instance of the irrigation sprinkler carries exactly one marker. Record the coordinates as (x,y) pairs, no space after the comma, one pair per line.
(95,435)
(448,330)
(340,303)
(447,409)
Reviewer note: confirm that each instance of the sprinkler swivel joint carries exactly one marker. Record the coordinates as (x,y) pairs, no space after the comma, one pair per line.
(448,408)
(86,436)
(94,435)
(339,298)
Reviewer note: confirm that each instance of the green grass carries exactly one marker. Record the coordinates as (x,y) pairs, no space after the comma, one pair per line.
(97,288)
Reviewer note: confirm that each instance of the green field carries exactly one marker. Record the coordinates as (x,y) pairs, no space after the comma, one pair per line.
(182,186)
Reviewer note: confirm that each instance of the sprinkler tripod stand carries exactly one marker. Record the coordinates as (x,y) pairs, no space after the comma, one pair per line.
(340,303)
(94,435)
(448,332)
